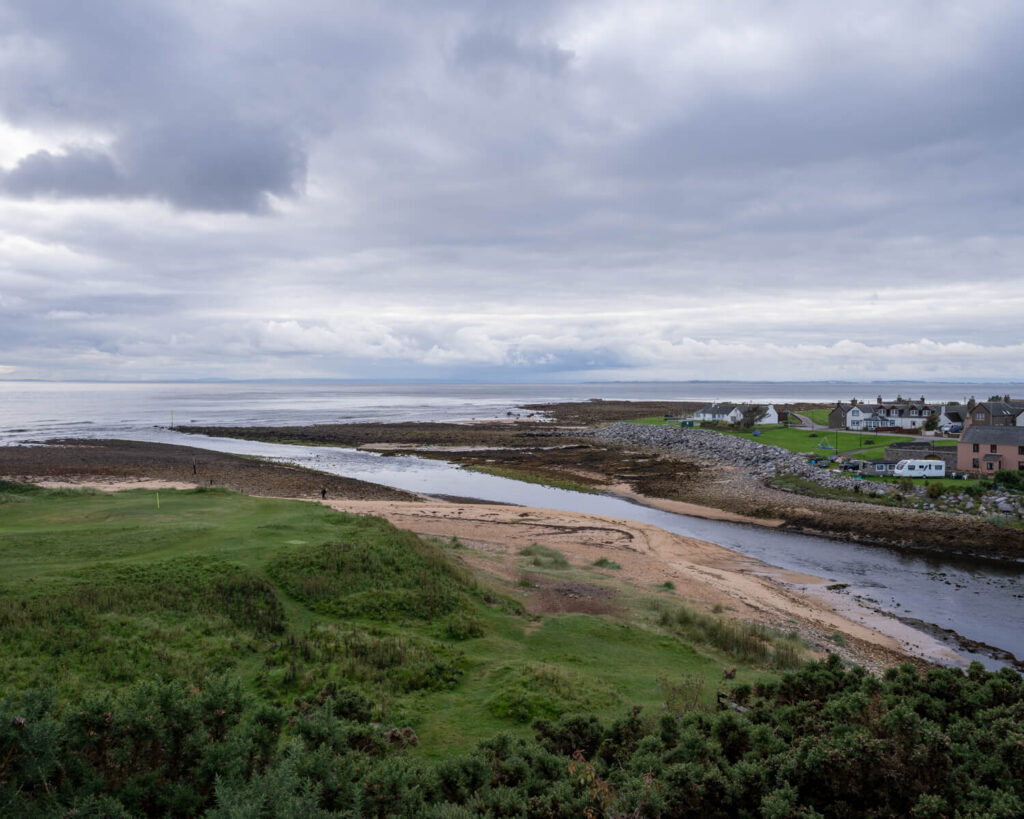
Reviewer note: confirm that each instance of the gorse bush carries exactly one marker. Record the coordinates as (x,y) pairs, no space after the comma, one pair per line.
(1010,479)
(821,741)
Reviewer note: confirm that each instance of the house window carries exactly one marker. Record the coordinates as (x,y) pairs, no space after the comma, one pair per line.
(855,412)
(991,447)
(979,416)
(913,412)
(1020,450)
(976,448)
(990,466)
(974,462)
(1020,466)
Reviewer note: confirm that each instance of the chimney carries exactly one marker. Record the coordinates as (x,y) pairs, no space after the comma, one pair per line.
(971,403)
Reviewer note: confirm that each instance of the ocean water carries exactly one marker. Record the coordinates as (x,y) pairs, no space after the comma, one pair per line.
(32,410)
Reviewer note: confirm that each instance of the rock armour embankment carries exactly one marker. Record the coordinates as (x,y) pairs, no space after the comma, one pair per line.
(713,448)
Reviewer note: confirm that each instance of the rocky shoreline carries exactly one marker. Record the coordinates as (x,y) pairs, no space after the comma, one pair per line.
(736,473)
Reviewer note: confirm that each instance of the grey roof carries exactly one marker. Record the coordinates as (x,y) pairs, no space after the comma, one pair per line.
(999,409)
(983,434)
(955,416)
(992,457)
(720,409)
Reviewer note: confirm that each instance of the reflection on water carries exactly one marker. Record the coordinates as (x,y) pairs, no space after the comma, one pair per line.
(979,600)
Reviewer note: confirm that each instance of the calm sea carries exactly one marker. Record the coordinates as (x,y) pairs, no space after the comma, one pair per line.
(41,410)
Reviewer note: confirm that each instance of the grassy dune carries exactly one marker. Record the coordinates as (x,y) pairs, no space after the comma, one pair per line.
(103,590)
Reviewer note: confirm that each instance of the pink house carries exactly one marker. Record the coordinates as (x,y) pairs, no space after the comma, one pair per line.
(987,449)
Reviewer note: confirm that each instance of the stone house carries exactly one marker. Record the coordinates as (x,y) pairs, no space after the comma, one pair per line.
(1006,413)
(991,448)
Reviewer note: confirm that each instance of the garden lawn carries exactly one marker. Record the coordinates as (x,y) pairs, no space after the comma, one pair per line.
(819,416)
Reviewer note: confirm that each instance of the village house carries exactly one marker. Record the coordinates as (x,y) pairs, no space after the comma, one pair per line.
(990,448)
(899,414)
(734,413)
(951,418)
(1006,413)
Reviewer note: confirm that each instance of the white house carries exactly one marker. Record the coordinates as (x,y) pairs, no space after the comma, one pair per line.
(726,413)
(733,413)
(897,415)
(950,417)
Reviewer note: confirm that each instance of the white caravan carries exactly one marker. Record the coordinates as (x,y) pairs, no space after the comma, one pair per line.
(920,469)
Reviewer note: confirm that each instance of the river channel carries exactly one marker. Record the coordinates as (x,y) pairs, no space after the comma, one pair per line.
(982,601)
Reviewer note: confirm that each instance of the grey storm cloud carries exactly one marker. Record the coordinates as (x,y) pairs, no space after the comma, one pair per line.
(78,172)
(177,137)
(202,165)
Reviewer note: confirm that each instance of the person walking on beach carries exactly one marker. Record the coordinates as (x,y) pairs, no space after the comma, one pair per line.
(323,494)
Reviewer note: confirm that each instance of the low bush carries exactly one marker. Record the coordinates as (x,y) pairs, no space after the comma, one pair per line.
(1010,479)
(535,690)
(544,557)
(822,741)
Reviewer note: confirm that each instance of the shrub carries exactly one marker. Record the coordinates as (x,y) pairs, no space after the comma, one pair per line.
(463,627)
(935,490)
(545,557)
(605,563)
(1010,479)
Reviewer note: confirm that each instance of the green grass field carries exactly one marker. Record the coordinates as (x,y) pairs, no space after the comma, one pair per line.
(102,590)
(819,416)
(653,421)
(804,441)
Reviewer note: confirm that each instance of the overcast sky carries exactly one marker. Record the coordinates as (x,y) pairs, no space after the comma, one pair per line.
(511,190)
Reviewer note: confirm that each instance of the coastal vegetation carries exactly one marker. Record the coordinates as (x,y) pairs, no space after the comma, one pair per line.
(533,476)
(105,590)
(207,653)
